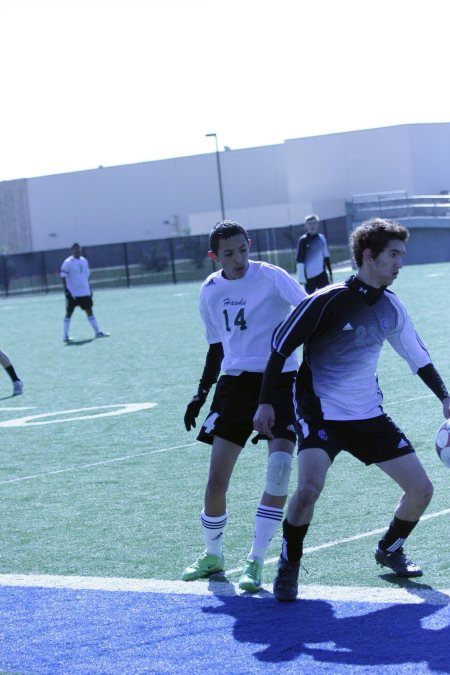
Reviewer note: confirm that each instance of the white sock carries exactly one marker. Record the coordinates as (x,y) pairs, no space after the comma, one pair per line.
(213,528)
(267,520)
(93,321)
(66,325)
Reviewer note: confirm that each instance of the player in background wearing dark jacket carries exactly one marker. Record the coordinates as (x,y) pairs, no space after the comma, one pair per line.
(338,398)
(313,256)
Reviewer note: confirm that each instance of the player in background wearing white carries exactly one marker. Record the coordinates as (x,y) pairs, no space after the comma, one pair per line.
(240,306)
(75,279)
(338,398)
(313,256)
(7,365)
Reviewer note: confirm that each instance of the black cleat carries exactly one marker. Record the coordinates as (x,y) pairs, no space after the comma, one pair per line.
(285,586)
(398,562)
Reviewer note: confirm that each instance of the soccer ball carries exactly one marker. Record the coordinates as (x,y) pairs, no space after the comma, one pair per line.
(443,443)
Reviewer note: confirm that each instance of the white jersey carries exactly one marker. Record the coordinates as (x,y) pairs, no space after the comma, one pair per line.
(76,273)
(242,314)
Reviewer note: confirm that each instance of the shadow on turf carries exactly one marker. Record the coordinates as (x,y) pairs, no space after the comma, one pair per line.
(344,633)
(78,343)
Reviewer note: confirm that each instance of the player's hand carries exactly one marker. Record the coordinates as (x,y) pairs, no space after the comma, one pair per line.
(264,420)
(193,409)
(68,294)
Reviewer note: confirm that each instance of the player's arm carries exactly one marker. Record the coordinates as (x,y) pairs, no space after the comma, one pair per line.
(264,418)
(434,381)
(326,256)
(407,343)
(299,257)
(63,276)
(290,334)
(300,260)
(209,377)
(327,261)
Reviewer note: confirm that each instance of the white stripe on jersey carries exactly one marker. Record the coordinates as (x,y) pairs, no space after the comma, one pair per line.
(296,315)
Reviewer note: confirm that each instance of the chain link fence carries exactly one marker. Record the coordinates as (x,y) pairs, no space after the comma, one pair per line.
(158,261)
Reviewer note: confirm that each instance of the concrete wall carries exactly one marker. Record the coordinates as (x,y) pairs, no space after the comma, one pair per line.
(429,240)
(263,187)
(15,225)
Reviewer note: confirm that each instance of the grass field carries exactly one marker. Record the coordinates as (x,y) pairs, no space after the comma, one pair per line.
(86,493)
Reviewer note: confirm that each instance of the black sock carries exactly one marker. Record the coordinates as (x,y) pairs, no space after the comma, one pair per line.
(12,373)
(395,536)
(292,545)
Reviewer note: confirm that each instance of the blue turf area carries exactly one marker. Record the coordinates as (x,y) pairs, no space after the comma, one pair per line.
(77,631)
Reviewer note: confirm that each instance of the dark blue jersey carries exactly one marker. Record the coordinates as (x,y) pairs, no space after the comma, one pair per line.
(343,328)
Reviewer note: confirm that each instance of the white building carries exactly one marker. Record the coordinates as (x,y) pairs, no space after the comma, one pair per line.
(267,186)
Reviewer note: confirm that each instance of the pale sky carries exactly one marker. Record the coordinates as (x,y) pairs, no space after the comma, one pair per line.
(108,82)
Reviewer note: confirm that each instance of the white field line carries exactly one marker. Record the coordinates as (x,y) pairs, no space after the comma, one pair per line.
(140,454)
(102,462)
(347,593)
(408,400)
(338,542)
(413,595)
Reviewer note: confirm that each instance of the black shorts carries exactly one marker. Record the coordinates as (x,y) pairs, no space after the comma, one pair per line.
(371,441)
(86,302)
(314,283)
(234,405)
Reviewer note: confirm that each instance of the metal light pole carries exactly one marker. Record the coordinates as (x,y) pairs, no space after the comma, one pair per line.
(219,175)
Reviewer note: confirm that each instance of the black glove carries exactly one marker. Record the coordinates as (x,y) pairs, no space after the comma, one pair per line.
(68,294)
(193,408)
(259,437)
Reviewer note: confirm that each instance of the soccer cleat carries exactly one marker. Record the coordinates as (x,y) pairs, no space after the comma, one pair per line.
(285,586)
(67,340)
(17,388)
(203,567)
(398,562)
(100,333)
(251,577)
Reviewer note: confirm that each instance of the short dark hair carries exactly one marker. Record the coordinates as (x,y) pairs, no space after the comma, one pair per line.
(224,230)
(375,234)
(75,244)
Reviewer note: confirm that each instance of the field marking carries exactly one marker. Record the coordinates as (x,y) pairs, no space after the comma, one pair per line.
(100,463)
(22,407)
(408,400)
(412,595)
(123,409)
(346,540)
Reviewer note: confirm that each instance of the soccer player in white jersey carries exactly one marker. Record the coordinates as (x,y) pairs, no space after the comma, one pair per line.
(9,368)
(240,306)
(338,398)
(75,279)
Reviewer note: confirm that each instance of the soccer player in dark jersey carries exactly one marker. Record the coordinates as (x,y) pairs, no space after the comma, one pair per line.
(313,256)
(338,398)
(241,305)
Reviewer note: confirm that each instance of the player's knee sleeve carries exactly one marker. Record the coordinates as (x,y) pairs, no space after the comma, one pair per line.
(4,360)
(278,473)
